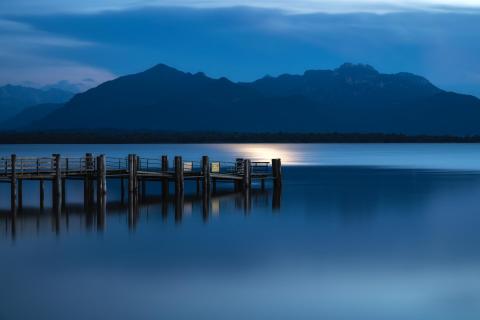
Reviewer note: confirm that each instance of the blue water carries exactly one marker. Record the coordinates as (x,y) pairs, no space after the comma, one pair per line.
(360,232)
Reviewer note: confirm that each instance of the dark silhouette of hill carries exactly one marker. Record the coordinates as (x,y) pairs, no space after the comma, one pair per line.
(14,99)
(352,98)
(28,115)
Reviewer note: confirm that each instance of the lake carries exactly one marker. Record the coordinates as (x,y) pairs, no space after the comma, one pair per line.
(359,231)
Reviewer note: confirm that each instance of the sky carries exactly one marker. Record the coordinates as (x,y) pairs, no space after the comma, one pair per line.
(79,44)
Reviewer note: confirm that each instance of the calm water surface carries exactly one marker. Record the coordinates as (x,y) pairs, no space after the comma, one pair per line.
(358,232)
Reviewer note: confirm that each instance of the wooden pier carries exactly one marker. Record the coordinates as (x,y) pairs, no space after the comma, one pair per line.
(95,171)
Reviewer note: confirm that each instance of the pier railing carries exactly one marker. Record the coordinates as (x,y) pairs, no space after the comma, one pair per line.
(135,169)
(45,166)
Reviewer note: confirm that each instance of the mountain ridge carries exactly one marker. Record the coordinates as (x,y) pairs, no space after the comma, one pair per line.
(15,98)
(351,98)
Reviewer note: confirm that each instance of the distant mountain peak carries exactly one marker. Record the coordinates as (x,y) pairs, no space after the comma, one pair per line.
(162,68)
(356,69)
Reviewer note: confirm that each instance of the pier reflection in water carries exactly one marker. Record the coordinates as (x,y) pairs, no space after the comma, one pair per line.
(87,212)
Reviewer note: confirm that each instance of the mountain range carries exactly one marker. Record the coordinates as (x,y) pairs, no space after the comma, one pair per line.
(353,98)
(14,99)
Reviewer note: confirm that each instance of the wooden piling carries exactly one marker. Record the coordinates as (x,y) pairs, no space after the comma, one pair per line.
(247,178)
(205,205)
(101,191)
(136,161)
(164,170)
(64,181)
(20,194)
(238,185)
(13,184)
(179,204)
(42,194)
(179,179)
(277,171)
(131,173)
(57,191)
(64,193)
(122,190)
(206,174)
(276,197)
(88,181)
(101,178)
(144,189)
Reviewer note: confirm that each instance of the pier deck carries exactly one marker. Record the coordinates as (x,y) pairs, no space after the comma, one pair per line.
(96,170)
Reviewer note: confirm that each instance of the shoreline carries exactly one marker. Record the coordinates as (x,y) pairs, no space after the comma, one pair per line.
(151,137)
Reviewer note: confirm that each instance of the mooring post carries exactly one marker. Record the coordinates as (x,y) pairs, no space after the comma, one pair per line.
(64,181)
(164,208)
(57,191)
(247,179)
(179,183)
(205,205)
(136,168)
(101,179)
(277,183)
(88,181)
(101,191)
(144,189)
(131,173)
(122,190)
(179,199)
(247,205)
(276,197)
(88,162)
(42,194)
(13,184)
(206,174)
(165,179)
(239,171)
(20,194)
(277,172)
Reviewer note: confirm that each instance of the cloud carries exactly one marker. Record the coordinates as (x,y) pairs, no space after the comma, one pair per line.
(292,6)
(243,43)
(26,56)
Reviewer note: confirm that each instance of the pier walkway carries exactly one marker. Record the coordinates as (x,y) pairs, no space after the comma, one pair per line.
(95,171)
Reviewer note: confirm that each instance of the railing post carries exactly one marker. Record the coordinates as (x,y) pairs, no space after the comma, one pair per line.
(13,184)
(179,183)
(247,178)
(206,174)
